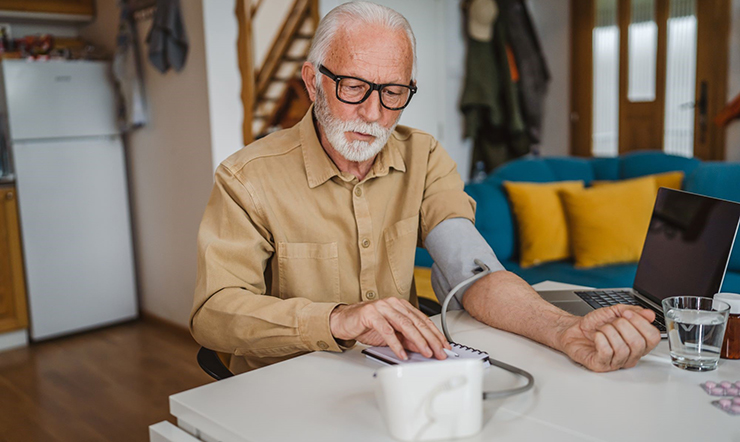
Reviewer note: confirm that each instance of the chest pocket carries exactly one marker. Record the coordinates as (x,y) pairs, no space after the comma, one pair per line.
(400,243)
(308,270)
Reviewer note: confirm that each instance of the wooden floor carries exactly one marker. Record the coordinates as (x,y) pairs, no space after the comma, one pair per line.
(106,385)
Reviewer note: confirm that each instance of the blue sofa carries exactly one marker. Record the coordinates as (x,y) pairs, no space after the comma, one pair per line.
(495,221)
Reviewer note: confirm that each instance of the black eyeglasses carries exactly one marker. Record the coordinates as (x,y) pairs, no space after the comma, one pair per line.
(353,90)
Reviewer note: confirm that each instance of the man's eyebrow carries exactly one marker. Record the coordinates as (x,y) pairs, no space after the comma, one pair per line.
(398,81)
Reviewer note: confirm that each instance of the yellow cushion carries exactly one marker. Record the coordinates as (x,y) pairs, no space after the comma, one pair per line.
(608,223)
(543,232)
(671,180)
(423,279)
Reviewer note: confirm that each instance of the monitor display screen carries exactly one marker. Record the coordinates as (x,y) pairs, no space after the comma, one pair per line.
(687,246)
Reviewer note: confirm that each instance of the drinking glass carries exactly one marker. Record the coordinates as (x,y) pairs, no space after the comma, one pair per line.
(695,327)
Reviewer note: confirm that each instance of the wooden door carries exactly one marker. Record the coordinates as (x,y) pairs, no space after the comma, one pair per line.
(13,310)
(642,87)
(651,103)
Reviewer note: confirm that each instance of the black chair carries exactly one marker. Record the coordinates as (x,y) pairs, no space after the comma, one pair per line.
(429,307)
(212,364)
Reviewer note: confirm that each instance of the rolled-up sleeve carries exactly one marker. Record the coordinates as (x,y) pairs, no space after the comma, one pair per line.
(232,310)
(444,197)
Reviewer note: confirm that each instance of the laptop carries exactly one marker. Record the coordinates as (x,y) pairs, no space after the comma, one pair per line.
(686,252)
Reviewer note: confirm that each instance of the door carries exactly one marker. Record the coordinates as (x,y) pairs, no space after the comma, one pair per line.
(649,74)
(58,99)
(76,233)
(13,314)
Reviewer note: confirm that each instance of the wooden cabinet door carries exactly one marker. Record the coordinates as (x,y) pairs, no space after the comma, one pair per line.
(77,7)
(13,310)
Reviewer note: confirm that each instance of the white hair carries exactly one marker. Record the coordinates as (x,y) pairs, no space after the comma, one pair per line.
(357,12)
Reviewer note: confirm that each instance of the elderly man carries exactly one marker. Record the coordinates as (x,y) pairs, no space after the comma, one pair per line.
(308,240)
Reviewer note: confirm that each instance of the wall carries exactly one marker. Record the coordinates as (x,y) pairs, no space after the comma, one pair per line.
(170,166)
(226,113)
(552,21)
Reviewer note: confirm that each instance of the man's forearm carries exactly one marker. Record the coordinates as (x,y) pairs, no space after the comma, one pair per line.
(237,321)
(505,301)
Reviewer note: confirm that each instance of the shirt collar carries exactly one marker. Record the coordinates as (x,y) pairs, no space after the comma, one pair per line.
(320,168)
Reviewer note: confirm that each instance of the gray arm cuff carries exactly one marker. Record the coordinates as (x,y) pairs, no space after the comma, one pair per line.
(453,245)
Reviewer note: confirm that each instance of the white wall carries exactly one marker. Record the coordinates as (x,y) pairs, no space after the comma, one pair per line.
(170,165)
(552,21)
(226,113)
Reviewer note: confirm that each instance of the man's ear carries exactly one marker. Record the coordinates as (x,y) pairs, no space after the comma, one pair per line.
(308,73)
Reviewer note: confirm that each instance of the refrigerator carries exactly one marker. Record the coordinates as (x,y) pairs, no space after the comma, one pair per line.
(59,119)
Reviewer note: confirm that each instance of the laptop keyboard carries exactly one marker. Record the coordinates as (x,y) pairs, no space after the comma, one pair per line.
(605,298)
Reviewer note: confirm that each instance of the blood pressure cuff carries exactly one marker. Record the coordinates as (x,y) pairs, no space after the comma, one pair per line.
(454,244)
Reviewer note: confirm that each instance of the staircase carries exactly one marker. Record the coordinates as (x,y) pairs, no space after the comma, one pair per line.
(278,98)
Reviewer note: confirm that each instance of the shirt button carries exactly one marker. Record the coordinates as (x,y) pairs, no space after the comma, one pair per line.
(322,345)
(365,243)
(358,191)
(370,294)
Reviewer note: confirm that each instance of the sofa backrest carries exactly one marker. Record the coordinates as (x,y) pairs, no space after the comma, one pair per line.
(495,220)
(720,180)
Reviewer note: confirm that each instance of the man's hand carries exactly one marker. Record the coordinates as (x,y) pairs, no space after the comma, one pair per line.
(610,338)
(393,322)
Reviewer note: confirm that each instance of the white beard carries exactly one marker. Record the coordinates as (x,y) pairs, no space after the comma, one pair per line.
(334,129)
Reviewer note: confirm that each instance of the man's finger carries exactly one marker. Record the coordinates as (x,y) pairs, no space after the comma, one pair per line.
(634,340)
(604,353)
(431,326)
(429,331)
(386,331)
(620,348)
(644,312)
(644,326)
(405,325)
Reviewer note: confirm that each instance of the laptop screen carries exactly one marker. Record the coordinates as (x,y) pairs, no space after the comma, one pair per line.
(688,245)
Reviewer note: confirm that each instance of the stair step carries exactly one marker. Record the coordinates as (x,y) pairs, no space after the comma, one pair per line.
(294,58)
(303,36)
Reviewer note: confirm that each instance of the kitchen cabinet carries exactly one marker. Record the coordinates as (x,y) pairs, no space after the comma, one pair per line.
(73,7)
(13,310)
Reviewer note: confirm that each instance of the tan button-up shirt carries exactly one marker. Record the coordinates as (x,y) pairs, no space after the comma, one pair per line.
(286,237)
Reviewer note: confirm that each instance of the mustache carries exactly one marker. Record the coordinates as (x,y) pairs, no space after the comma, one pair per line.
(373,129)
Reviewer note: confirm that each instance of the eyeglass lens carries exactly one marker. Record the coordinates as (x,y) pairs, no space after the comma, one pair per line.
(354,91)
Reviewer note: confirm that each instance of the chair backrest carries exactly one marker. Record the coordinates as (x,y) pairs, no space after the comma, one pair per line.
(212,364)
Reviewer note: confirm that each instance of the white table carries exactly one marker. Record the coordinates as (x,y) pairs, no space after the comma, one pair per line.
(329,397)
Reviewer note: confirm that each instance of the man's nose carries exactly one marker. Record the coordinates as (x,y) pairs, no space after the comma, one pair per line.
(370,110)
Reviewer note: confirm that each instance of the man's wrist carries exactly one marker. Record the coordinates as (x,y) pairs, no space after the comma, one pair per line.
(335,323)
(562,324)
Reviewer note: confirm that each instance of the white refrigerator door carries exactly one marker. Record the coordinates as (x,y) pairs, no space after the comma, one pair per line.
(76,233)
(59,99)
